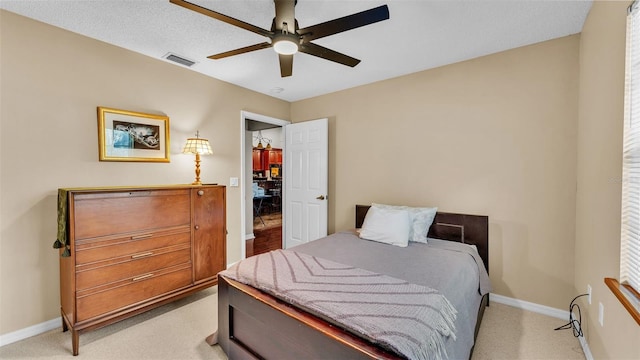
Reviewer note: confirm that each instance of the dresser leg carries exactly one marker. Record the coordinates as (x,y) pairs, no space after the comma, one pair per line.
(64,325)
(75,341)
(212,339)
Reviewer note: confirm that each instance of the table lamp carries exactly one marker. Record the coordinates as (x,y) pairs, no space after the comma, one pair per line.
(198,146)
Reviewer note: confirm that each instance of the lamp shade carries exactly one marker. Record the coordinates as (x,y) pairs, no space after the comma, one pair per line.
(197,146)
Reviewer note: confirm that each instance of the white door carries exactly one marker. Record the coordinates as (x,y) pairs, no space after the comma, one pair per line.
(306,181)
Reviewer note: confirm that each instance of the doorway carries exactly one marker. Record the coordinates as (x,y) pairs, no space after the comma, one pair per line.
(267,188)
(263,143)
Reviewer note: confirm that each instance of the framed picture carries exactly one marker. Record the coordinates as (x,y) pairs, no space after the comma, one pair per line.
(132,136)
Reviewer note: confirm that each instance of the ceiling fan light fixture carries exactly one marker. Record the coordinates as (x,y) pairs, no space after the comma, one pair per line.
(285,44)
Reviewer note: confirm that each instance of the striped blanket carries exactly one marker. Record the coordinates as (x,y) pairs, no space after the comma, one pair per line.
(409,319)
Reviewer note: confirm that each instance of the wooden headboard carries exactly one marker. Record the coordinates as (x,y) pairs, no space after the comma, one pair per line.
(468,229)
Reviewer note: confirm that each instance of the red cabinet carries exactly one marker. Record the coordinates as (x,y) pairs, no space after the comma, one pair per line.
(258,163)
(275,156)
(263,158)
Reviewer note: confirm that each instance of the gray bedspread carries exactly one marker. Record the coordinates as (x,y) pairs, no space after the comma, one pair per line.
(453,269)
(409,319)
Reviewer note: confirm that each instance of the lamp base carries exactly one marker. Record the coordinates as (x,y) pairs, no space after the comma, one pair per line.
(197,182)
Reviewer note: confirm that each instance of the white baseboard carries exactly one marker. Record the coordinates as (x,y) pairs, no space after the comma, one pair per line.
(544,310)
(583,341)
(585,348)
(533,307)
(30,331)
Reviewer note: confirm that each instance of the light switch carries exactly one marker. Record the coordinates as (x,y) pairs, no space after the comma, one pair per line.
(233,181)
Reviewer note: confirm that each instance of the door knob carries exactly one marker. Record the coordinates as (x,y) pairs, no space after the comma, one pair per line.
(321,197)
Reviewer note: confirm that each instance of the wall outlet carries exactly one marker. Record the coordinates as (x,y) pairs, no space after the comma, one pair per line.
(601,314)
(589,292)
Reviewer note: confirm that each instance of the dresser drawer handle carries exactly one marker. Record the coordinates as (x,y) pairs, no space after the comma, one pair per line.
(143,236)
(136,256)
(142,277)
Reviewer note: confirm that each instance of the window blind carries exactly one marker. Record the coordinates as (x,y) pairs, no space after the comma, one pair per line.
(630,240)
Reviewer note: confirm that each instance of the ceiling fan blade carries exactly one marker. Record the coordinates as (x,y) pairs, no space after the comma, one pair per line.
(243,50)
(323,52)
(285,13)
(222,17)
(286,65)
(344,23)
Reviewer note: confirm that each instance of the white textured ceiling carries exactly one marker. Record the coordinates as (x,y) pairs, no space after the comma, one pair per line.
(419,35)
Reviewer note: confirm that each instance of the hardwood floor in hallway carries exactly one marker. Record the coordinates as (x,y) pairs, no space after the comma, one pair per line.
(268,237)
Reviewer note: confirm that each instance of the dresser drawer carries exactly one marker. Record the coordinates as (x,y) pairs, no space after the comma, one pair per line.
(100,214)
(95,303)
(101,249)
(129,267)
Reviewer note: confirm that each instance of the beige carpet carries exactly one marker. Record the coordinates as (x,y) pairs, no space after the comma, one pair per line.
(178,330)
(173,331)
(511,333)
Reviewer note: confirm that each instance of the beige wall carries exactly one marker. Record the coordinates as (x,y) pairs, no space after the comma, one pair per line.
(493,136)
(597,255)
(52,82)
(505,135)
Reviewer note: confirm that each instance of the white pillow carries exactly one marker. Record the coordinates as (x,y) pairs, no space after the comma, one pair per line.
(421,220)
(389,226)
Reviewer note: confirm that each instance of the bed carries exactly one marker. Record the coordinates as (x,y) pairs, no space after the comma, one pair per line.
(255,323)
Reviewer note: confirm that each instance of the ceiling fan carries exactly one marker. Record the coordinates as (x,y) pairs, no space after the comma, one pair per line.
(287,38)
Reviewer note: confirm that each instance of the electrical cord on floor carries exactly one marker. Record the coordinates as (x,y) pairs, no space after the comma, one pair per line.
(577,330)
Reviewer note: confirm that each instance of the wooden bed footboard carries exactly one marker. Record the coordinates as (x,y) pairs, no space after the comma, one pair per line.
(255,325)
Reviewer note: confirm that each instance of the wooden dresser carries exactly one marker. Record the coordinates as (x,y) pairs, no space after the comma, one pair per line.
(134,249)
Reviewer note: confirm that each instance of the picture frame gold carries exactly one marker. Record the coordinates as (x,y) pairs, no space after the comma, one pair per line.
(132,136)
